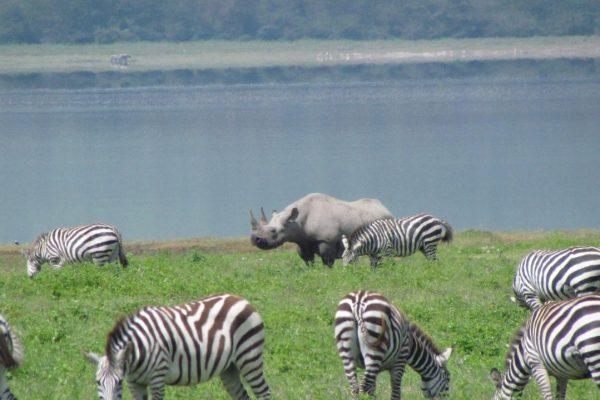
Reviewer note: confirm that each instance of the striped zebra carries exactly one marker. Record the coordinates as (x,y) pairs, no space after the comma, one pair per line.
(98,242)
(11,355)
(221,335)
(400,237)
(373,334)
(556,275)
(560,339)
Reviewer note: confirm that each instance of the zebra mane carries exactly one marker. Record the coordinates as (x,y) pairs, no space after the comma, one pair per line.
(358,231)
(423,338)
(514,343)
(41,237)
(115,336)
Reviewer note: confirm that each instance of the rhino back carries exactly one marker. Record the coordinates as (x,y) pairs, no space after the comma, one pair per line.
(326,218)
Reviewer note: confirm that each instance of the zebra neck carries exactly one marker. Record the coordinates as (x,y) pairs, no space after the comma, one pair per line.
(423,353)
(517,372)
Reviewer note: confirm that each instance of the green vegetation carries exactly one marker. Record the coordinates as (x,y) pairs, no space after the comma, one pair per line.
(109,21)
(461,301)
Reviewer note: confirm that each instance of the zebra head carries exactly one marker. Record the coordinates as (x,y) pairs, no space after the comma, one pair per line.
(109,373)
(348,256)
(438,386)
(34,263)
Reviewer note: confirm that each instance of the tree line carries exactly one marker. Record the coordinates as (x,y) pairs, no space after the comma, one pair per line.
(108,21)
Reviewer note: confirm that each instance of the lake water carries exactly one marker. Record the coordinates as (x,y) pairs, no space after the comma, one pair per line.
(175,162)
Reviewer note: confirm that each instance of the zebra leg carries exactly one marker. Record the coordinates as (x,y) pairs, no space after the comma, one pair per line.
(158,392)
(369,382)
(561,389)
(138,392)
(543,380)
(430,251)
(233,384)
(593,365)
(374,260)
(252,372)
(396,374)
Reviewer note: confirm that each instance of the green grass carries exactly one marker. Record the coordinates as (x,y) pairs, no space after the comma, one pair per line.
(153,56)
(461,301)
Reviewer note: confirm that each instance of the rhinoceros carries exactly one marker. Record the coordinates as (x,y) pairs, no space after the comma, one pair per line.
(316,223)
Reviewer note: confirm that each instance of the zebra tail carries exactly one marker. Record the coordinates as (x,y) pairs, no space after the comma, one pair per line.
(6,358)
(122,258)
(449,232)
(374,344)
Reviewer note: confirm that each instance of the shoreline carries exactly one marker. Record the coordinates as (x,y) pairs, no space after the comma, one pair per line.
(160,56)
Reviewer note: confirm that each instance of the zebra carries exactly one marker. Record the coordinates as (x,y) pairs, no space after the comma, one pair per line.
(373,334)
(98,242)
(401,237)
(11,355)
(556,275)
(221,335)
(560,339)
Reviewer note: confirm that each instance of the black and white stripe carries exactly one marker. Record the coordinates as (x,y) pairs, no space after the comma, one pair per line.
(221,335)
(373,334)
(400,237)
(560,339)
(11,356)
(98,243)
(556,275)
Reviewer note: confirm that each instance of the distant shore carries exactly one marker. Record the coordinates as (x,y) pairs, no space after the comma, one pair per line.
(161,56)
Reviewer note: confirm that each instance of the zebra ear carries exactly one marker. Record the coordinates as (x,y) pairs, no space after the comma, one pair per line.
(513,299)
(443,358)
(91,357)
(496,377)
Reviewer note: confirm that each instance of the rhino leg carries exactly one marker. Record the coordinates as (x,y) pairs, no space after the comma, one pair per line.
(327,253)
(307,252)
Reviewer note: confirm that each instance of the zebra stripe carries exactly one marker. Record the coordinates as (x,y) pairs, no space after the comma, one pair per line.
(400,237)
(556,275)
(185,345)
(11,355)
(373,334)
(560,339)
(98,242)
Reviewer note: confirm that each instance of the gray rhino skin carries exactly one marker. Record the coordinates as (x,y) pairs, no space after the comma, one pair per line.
(316,224)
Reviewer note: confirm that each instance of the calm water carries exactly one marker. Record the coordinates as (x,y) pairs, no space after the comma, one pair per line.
(188,162)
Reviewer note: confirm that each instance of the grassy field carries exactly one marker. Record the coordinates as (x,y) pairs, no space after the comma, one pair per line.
(461,301)
(153,56)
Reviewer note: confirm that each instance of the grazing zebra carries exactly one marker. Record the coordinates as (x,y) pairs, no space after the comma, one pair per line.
(11,355)
(556,275)
(561,339)
(98,242)
(221,335)
(373,334)
(401,237)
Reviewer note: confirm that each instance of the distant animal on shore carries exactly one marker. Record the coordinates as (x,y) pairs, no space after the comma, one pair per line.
(545,275)
(397,237)
(316,223)
(373,334)
(99,243)
(560,339)
(221,335)
(11,356)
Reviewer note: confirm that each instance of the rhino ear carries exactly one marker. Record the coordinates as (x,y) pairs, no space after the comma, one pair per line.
(293,215)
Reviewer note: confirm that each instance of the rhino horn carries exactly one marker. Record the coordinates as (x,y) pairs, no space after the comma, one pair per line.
(263,218)
(253,221)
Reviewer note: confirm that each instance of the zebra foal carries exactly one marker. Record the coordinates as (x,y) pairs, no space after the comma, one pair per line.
(98,242)
(556,275)
(560,339)
(400,237)
(221,335)
(373,334)
(11,355)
